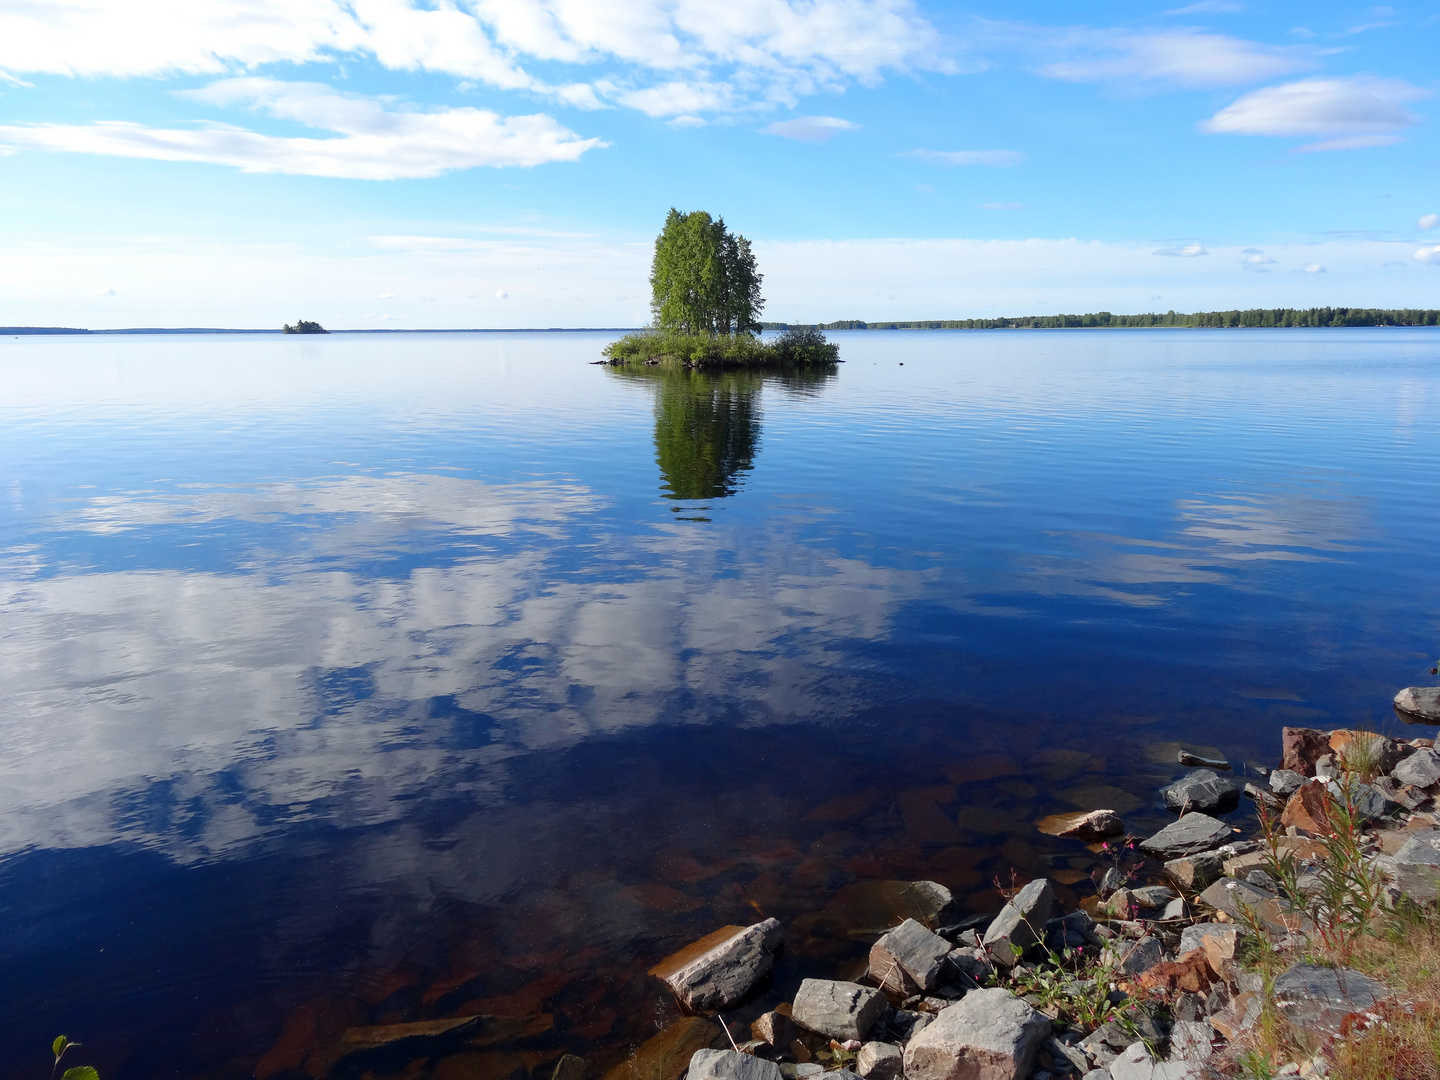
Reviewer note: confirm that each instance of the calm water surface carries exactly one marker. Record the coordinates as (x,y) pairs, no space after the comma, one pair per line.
(370,679)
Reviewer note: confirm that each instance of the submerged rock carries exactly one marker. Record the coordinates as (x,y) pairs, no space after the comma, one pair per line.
(1020,922)
(874,907)
(1419,704)
(1185,757)
(666,1055)
(841,1010)
(721,968)
(1202,790)
(908,958)
(989,1035)
(1192,834)
(1086,825)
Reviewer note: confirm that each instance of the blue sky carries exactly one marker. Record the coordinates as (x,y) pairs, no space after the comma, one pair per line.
(412,163)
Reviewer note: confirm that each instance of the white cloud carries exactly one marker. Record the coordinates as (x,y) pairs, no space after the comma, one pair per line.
(386,296)
(501,294)
(1429,255)
(1314,268)
(995,159)
(1208,7)
(1190,251)
(1178,57)
(371,143)
(1255,259)
(765,51)
(1353,113)
(810,128)
(1429,221)
(106,291)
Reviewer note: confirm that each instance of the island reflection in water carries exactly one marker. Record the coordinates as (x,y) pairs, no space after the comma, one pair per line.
(381,734)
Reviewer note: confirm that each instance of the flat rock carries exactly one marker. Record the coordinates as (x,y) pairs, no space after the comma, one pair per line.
(1192,1040)
(720,969)
(1198,761)
(1020,922)
(731,1065)
(1315,1000)
(989,1035)
(1301,747)
(841,1010)
(879,1061)
(1203,790)
(1193,833)
(908,958)
(1421,769)
(1193,937)
(1086,825)
(1419,704)
(406,1038)
(875,907)
(1138,957)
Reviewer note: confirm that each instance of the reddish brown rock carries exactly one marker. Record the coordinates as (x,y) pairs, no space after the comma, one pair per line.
(1189,974)
(1301,747)
(1308,809)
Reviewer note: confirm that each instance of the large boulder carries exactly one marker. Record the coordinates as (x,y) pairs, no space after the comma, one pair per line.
(841,1010)
(1020,922)
(1315,1000)
(1193,833)
(1301,747)
(731,1065)
(989,1035)
(1419,704)
(1204,790)
(908,958)
(1421,769)
(720,969)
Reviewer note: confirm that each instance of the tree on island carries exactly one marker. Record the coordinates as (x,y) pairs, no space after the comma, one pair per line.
(303,326)
(703,279)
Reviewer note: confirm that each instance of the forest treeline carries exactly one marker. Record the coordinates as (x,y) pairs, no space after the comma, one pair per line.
(1260,317)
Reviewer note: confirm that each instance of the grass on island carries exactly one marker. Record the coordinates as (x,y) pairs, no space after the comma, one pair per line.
(798,346)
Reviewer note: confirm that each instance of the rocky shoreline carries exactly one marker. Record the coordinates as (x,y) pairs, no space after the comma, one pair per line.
(1154,977)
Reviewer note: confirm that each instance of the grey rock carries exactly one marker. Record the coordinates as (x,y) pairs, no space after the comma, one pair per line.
(1195,871)
(990,1035)
(1407,795)
(1421,769)
(879,1061)
(569,1067)
(1188,1007)
(1140,957)
(1110,881)
(730,1065)
(773,1028)
(1371,803)
(1261,880)
(1071,1055)
(1190,1040)
(1152,896)
(1258,794)
(1419,704)
(1020,922)
(841,1010)
(1191,834)
(1422,849)
(1415,868)
(1202,790)
(1284,782)
(792,1070)
(1133,1063)
(1193,937)
(1175,909)
(1316,999)
(1097,1074)
(907,1023)
(842,1074)
(971,962)
(727,972)
(908,958)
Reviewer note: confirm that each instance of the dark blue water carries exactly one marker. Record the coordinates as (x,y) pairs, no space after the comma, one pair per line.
(362,680)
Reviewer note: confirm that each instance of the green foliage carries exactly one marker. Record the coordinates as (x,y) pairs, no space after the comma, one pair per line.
(703,279)
(1252,317)
(718,353)
(304,326)
(79,1072)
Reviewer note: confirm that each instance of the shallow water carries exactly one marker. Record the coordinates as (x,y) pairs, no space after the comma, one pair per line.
(366,679)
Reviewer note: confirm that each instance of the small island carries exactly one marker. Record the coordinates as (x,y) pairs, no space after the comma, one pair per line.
(304,326)
(706,303)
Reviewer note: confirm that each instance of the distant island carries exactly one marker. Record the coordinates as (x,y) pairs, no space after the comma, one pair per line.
(705,304)
(1250,317)
(304,327)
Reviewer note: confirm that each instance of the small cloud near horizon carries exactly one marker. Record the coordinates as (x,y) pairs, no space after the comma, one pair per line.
(1190,251)
(816,129)
(1429,221)
(501,294)
(1314,268)
(106,291)
(994,159)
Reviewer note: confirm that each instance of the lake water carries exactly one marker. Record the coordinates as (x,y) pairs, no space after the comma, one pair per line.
(367,679)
